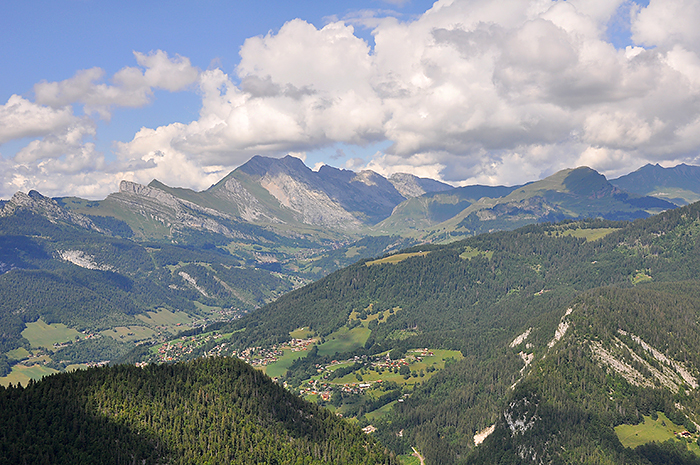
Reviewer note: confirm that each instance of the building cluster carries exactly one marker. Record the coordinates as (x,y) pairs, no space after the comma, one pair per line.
(325,389)
(174,351)
(260,357)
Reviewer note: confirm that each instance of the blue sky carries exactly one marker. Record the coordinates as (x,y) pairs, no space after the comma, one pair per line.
(466,91)
(50,40)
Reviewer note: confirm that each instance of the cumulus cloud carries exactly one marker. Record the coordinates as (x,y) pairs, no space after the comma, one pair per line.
(20,118)
(470,89)
(62,157)
(131,86)
(667,24)
(485,91)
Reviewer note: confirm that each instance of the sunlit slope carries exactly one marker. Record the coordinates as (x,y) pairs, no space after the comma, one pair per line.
(477,296)
(569,194)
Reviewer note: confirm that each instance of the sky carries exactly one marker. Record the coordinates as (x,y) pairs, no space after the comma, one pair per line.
(496,92)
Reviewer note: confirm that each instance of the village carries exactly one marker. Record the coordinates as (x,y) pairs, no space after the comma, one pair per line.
(183,347)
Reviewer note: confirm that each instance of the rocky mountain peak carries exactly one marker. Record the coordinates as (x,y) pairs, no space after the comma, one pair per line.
(587,182)
(413,186)
(132,188)
(38,204)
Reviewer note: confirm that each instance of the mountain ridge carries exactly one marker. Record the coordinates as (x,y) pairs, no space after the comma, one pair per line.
(513,303)
(678,184)
(285,196)
(475,322)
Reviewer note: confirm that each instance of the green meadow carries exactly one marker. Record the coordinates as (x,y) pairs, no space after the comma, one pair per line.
(164,317)
(40,334)
(659,430)
(396,258)
(280,367)
(22,374)
(344,340)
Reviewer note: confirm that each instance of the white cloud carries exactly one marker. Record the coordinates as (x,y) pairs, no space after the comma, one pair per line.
(62,158)
(423,165)
(665,23)
(131,86)
(474,88)
(69,140)
(486,91)
(20,118)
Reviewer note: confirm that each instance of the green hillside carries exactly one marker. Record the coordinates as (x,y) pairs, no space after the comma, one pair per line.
(553,342)
(569,194)
(217,411)
(575,404)
(679,184)
(476,297)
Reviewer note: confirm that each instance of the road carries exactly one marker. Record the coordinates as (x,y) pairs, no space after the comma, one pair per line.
(417,454)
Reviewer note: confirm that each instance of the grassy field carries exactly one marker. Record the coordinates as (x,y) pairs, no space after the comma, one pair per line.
(344,340)
(77,366)
(588,234)
(437,361)
(301,333)
(408,460)
(170,321)
(129,333)
(380,412)
(18,354)
(471,252)
(396,258)
(279,368)
(40,334)
(22,374)
(640,277)
(659,430)
(353,251)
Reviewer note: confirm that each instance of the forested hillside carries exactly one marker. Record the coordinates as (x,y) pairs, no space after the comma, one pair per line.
(476,296)
(102,292)
(217,411)
(476,351)
(606,374)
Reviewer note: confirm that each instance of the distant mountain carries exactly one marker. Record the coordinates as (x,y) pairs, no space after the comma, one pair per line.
(412,186)
(569,194)
(282,195)
(270,226)
(680,184)
(419,213)
(142,265)
(285,197)
(577,340)
(557,342)
(40,205)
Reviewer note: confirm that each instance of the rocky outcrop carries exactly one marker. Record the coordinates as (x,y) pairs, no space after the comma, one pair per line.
(413,186)
(313,206)
(172,212)
(248,206)
(38,204)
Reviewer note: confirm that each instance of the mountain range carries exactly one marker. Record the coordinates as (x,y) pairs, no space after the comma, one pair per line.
(571,342)
(270,226)
(382,300)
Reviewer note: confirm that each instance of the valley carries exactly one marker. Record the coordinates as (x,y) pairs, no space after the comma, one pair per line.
(555,337)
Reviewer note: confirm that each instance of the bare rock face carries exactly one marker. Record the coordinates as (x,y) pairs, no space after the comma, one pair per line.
(47,207)
(312,206)
(163,198)
(249,207)
(172,212)
(413,186)
(328,197)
